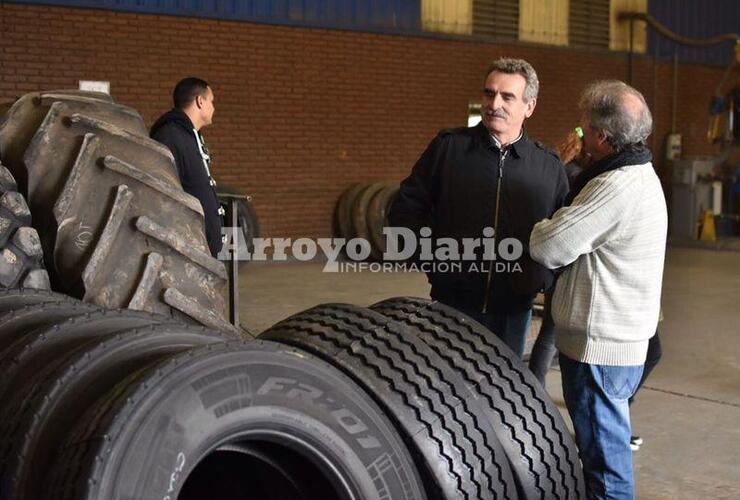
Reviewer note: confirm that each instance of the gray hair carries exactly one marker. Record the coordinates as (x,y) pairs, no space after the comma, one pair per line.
(518,67)
(608,110)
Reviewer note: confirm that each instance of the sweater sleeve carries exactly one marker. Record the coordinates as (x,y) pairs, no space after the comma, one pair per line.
(590,221)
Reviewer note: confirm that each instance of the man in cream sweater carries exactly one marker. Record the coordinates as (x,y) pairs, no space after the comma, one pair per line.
(609,240)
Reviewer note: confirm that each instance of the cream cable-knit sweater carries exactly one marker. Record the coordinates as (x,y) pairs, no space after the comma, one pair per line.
(613,236)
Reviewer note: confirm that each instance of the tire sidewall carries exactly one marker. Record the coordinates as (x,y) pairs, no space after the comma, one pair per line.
(265,394)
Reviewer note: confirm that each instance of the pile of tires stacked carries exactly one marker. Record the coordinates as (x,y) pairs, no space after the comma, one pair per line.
(406,399)
(362,212)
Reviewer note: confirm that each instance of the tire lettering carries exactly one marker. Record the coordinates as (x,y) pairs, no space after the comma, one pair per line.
(304,391)
(353,425)
(275,384)
(346,419)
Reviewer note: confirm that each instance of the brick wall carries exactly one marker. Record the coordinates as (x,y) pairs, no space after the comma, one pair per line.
(303,113)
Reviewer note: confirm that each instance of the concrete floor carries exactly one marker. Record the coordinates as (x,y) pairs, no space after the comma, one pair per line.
(688,412)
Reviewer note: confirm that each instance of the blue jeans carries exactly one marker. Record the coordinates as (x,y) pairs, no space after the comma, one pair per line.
(512,328)
(596,397)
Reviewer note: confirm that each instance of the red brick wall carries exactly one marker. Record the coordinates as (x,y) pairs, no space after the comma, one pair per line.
(303,113)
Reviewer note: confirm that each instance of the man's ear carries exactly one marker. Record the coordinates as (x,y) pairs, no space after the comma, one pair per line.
(199,101)
(530,107)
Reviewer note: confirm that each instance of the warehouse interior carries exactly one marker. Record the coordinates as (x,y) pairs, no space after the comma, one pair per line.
(314,97)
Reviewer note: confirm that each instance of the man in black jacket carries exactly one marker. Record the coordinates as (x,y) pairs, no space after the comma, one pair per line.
(493,177)
(179,130)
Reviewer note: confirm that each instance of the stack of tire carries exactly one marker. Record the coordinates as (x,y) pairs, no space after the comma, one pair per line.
(121,396)
(362,212)
(404,400)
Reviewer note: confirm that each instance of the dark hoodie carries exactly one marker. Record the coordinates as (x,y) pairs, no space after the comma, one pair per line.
(175,130)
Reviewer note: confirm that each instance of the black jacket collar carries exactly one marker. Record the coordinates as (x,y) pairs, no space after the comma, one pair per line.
(520,148)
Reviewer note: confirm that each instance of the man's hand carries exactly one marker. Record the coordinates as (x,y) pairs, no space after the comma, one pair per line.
(570,147)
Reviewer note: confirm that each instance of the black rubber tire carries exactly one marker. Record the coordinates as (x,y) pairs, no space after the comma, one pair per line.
(455,447)
(42,418)
(541,451)
(116,227)
(14,298)
(16,323)
(44,347)
(21,256)
(377,218)
(160,423)
(345,225)
(360,207)
(248,223)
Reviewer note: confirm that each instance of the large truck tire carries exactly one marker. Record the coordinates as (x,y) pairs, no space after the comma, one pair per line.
(377,218)
(42,417)
(248,223)
(541,451)
(453,443)
(21,256)
(115,225)
(44,347)
(235,420)
(345,225)
(18,322)
(14,298)
(360,208)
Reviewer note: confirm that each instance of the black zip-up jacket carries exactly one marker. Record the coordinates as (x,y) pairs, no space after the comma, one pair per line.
(452,190)
(175,130)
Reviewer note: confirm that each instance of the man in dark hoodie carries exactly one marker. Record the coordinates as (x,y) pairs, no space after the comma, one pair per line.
(179,130)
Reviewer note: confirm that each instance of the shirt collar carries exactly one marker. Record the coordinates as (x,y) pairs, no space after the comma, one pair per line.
(518,147)
(497,143)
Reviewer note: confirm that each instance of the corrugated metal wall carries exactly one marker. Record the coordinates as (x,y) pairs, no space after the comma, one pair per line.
(589,23)
(447,16)
(496,18)
(366,15)
(695,19)
(588,19)
(544,21)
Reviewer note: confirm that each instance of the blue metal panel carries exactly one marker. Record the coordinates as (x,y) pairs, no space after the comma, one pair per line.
(364,15)
(695,19)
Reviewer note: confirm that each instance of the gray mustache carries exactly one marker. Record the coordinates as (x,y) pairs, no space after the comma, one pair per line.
(498,113)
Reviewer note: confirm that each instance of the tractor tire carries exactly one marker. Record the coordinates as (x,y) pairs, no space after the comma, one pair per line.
(254,420)
(21,256)
(43,416)
(541,451)
(455,447)
(116,227)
